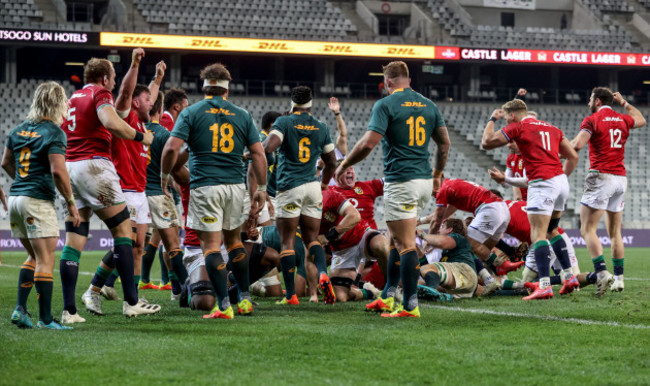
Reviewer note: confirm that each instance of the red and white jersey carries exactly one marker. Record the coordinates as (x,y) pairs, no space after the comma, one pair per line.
(363,197)
(539,145)
(334,205)
(87,137)
(464,195)
(167,121)
(516,163)
(130,157)
(518,227)
(609,131)
(191,239)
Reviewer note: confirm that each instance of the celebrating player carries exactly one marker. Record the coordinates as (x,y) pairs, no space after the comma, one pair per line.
(175,103)
(34,156)
(540,144)
(605,185)
(404,122)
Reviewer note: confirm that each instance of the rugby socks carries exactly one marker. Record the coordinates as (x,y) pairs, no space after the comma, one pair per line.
(618,266)
(562,254)
(101,274)
(110,282)
(44,284)
(69,269)
(238,259)
(599,264)
(216,268)
(25,283)
(147,261)
(123,257)
(505,248)
(176,285)
(393,274)
(288,263)
(176,258)
(367,295)
(543,260)
(555,280)
(164,275)
(592,277)
(432,279)
(482,272)
(512,285)
(409,272)
(318,254)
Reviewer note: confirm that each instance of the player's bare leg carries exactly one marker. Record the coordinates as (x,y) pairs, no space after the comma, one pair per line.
(538,229)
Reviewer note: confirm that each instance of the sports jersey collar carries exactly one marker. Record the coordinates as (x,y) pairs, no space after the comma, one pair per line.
(210,97)
(401,90)
(170,115)
(300,112)
(604,107)
(526,117)
(155,122)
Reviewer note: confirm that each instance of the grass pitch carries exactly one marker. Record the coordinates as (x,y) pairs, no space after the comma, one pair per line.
(574,339)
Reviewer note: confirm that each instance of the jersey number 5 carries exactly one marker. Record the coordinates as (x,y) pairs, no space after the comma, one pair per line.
(73,120)
(303,150)
(25,153)
(222,138)
(417,134)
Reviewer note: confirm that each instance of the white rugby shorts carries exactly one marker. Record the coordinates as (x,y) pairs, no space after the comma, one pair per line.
(547,196)
(32,218)
(95,183)
(138,206)
(604,191)
(490,221)
(306,200)
(405,200)
(218,207)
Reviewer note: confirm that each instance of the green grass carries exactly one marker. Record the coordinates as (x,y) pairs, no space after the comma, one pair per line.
(318,344)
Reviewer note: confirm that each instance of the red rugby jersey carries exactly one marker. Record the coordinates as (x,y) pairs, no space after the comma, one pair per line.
(167,121)
(609,131)
(539,145)
(130,157)
(362,197)
(87,137)
(191,239)
(464,195)
(333,207)
(516,163)
(518,227)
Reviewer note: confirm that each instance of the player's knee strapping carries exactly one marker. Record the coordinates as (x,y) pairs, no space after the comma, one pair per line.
(341,281)
(83,229)
(202,287)
(368,239)
(116,220)
(553,224)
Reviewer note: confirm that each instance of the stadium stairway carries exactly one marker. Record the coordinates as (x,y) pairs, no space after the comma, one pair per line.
(626,21)
(364,32)
(50,12)
(472,152)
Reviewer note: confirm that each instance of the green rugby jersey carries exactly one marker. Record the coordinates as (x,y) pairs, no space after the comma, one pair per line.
(216,132)
(160,137)
(461,254)
(406,119)
(31,143)
(304,138)
(270,172)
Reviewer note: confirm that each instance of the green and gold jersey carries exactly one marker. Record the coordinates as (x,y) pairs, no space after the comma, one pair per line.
(304,139)
(461,254)
(271,238)
(160,137)
(216,132)
(270,173)
(31,144)
(406,119)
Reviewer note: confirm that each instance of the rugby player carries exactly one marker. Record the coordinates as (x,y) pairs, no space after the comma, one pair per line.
(300,140)
(404,121)
(34,156)
(175,102)
(456,271)
(216,132)
(606,183)
(351,238)
(130,159)
(541,145)
(90,125)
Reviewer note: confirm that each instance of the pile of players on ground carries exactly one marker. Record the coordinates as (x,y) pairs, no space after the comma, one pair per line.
(286,200)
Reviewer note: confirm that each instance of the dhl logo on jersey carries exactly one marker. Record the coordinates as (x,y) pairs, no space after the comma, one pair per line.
(306,127)
(413,104)
(219,110)
(29,134)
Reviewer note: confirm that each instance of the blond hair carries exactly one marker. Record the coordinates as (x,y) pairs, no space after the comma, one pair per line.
(515,105)
(397,69)
(96,69)
(50,102)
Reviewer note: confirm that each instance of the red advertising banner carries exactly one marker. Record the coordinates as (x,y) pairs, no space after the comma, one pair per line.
(543,56)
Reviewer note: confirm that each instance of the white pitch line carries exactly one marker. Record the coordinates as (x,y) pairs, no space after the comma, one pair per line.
(542,317)
(56,270)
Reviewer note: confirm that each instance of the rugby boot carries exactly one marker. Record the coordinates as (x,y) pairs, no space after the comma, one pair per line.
(604,280)
(245,307)
(109,293)
(618,285)
(93,302)
(540,293)
(20,318)
(324,283)
(569,285)
(165,286)
(68,318)
(293,301)
(381,305)
(53,325)
(140,308)
(144,286)
(400,312)
(216,313)
(429,293)
(508,266)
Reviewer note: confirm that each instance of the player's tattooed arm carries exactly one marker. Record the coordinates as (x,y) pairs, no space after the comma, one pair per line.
(441,137)
(441,213)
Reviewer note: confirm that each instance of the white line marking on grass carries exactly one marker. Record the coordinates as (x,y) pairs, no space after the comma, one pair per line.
(56,270)
(637,278)
(542,317)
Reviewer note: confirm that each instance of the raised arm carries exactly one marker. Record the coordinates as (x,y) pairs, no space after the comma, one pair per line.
(342,131)
(491,139)
(154,85)
(639,120)
(359,152)
(123,101)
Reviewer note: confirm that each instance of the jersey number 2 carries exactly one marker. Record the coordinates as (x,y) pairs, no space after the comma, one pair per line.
(417,134)
(25,153)
(222,138)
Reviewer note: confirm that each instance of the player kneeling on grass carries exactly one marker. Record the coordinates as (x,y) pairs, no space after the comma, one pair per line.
(456,272)
(34,156)
(350,239)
